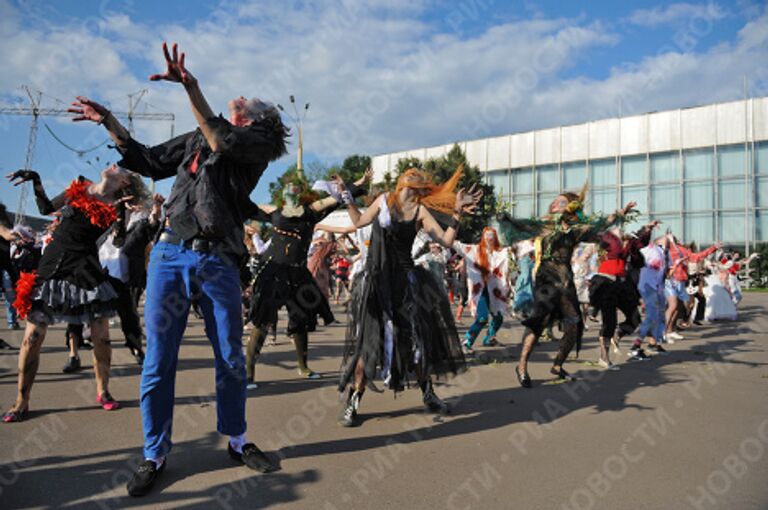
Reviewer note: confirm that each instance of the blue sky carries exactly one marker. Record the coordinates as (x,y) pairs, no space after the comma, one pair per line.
(381,75)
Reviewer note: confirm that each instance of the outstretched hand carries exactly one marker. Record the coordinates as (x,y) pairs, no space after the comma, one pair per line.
(467,200)
(176,71)
(629,207)
(22,176)
(85,109)
(367,176)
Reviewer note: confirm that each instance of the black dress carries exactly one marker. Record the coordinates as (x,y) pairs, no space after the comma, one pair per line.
(70,284)
(554,292)
(400,317)
(283,279)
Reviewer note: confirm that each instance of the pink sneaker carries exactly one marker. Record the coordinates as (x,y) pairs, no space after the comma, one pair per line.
(106,402)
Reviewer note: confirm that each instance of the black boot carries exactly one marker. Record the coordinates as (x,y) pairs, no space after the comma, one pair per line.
(433,403)
(348,416)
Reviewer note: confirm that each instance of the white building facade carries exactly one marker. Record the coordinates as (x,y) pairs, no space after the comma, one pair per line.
(702,171)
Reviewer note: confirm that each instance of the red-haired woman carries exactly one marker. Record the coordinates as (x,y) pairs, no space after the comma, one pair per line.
(554,295)
(401,321)
(487,270)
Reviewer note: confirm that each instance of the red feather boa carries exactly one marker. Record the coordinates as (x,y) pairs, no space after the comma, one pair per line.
(24,287)
(100,214)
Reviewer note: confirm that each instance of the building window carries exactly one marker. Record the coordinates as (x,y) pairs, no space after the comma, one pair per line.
(761,191)
(673,222)
(665,167)
(699,164)
(732,161)
(604,201)
(698,228)
(761,158)
(523,206)
(732,227)
(638,194)
(574,175)
(699,196)
(543,202)
(761,224)
(633,170)
(499,179)
(731,194)
(522,179)
(603,172)
(549,178)
(665,197)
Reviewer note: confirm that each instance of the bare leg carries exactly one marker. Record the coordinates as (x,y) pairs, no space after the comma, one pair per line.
(529,341)
(671,313)
(102,354)
(604,349)
(29,361)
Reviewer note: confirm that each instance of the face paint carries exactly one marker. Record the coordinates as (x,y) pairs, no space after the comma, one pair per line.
(291,196)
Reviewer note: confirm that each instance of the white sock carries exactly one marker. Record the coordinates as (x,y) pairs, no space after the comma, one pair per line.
(158,461)
(237,442)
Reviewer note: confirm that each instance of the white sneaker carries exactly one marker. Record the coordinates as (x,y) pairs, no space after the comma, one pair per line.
(675,336)
(251,386)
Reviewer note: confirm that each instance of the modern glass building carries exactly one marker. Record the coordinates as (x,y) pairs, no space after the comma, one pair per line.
(703,170)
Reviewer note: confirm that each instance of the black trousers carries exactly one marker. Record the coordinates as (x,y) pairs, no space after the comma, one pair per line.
(611,295)
(127,309)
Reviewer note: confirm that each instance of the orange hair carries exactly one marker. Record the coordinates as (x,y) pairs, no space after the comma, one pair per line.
(441,197)
(483,264)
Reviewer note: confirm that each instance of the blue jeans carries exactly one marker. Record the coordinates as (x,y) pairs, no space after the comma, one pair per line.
(175,277)
(10,297)
(654,323)
(481,319)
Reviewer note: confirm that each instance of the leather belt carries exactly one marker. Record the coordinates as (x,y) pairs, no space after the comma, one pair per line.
(198,244)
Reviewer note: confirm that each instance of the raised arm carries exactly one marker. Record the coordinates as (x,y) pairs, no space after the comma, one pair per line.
(158,162)
(44,204)
(466,202)
(176,72)
(361,220)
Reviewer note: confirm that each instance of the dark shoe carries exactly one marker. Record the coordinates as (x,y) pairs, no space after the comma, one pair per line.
(434,403)
(72,365)
(5,345)
(638,354)
(15,326)
(491,342)
(348,416)
(658,349)
(562,374)
(253,458)
(698,323)
(144,478)
(524,379)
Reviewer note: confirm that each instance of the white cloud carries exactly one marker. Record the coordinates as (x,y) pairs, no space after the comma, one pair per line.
(664,15)
(379,77)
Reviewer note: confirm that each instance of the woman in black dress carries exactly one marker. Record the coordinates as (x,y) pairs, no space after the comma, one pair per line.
(70,284)
(554,294)
(283,279)
(401,320)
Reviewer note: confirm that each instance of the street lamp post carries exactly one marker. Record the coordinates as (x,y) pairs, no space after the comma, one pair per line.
(297,119)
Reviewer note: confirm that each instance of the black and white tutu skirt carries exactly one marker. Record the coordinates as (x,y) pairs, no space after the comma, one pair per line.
(417,335)
(52,300)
